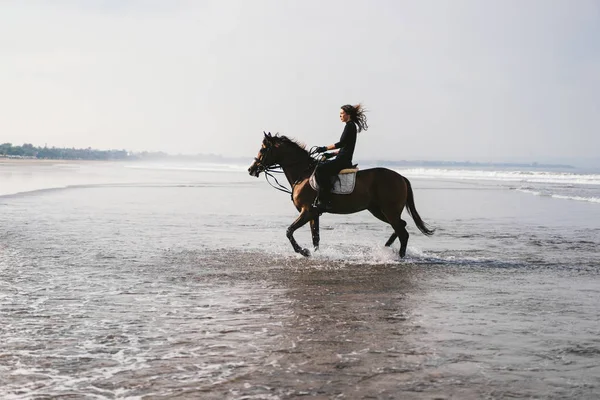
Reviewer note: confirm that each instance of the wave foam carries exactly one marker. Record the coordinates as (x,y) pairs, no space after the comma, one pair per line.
(578,198)
(560,196)
(533,192)
(335,257)
(505,176)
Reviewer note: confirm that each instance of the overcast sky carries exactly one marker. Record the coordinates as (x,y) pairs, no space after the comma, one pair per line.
(455,80)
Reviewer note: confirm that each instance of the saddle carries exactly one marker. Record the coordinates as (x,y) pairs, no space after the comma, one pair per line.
(343,182)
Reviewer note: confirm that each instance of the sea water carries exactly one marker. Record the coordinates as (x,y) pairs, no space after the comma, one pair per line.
(176,280)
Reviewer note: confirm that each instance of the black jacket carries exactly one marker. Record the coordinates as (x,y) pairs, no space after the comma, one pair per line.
(347,142)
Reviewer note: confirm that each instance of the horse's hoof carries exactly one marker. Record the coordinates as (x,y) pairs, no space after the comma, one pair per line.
(305,252)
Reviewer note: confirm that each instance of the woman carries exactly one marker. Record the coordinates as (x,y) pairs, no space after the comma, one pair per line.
(354,117)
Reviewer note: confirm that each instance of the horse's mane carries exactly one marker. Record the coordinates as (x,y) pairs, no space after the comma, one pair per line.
(296,145)
(293,142)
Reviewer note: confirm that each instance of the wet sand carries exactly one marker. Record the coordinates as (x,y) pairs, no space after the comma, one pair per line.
(426,331)
(239,325)
(177,291)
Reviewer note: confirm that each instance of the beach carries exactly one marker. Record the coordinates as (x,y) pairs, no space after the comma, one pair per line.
(162,280)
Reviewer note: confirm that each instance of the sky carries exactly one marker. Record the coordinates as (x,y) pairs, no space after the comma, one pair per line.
(494,80)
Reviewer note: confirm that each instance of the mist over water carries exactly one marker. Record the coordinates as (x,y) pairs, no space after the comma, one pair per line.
(177,281)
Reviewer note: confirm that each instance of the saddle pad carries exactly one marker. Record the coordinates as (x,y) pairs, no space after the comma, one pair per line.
(343,184)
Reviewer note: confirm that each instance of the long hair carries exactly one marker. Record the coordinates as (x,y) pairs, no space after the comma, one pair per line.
(357,115)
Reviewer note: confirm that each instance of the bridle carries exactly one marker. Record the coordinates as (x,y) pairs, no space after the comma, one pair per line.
(269,171)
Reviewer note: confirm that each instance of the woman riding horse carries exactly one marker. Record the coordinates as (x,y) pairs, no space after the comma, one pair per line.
(382,191)
(353,116)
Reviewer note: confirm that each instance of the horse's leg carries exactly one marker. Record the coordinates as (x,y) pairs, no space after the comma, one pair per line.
(314,230)
(379,215)
(403,235)
(391,240)
(302,219)
(399,226)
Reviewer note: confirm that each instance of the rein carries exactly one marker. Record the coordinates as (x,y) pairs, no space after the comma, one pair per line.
(278,169)
(269,174)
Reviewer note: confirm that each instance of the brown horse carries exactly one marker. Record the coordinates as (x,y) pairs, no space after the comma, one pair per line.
(380,190)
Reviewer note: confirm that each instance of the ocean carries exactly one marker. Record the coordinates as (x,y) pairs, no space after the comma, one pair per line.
(122,280)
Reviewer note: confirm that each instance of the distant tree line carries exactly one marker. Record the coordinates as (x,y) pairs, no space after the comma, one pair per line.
(57,153)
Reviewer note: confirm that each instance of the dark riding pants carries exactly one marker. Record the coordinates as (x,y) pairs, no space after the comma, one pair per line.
(327,170)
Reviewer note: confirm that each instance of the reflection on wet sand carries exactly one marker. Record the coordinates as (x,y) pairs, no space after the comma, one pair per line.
(405,331)
(245,325)
(349,334)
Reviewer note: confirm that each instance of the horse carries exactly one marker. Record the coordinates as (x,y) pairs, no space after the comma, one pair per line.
(381,191)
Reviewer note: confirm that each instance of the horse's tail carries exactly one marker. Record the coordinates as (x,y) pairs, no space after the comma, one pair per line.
(410,206)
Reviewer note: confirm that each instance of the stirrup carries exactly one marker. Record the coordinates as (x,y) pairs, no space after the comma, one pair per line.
(323,206)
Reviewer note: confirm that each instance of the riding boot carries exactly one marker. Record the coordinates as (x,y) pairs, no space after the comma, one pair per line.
(324,199)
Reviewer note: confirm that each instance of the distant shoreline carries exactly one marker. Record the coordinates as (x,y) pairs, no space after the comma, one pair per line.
(224,160)
(29,152)
(12,160)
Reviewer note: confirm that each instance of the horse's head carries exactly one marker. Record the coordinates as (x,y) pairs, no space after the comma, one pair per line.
(265,157)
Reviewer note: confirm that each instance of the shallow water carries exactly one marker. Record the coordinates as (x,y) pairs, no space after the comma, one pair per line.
(142,283)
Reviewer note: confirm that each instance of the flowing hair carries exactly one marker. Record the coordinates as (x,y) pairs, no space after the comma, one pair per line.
(357,115)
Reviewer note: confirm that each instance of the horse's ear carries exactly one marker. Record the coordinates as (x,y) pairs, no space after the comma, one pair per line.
(270,134)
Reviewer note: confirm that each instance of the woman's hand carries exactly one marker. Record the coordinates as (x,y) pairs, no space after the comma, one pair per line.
(321,149)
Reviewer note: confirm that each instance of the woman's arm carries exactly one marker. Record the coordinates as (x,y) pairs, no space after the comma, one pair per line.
(343,140)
